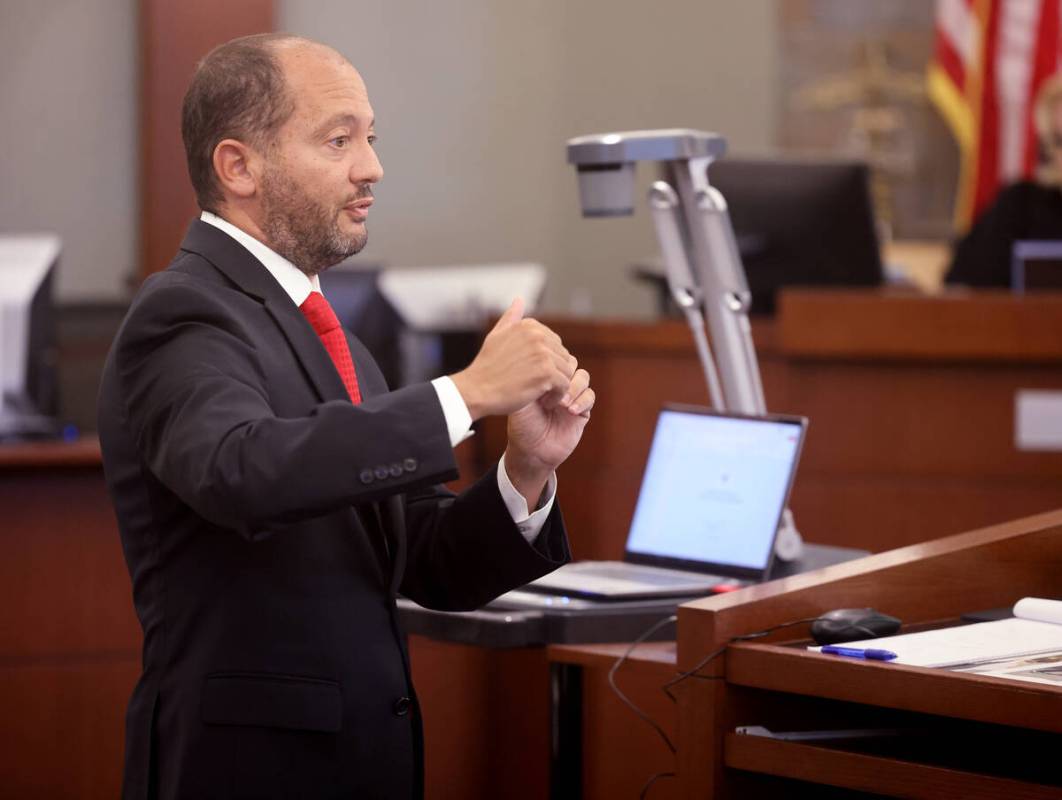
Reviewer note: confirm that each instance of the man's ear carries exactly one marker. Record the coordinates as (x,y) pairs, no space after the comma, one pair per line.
(237,168)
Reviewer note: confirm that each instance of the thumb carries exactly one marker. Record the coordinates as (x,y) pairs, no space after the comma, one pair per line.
(513,314)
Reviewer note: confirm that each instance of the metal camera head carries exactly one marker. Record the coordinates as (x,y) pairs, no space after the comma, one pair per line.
(605,162)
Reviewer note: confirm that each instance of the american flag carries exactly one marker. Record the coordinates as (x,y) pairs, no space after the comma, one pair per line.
(991,57)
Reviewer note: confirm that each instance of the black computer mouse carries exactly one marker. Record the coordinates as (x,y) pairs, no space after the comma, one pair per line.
(848,624)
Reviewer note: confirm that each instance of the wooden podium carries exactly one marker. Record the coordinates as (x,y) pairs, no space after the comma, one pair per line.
(966,736)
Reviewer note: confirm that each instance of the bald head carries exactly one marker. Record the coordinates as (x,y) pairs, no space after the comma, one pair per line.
(245,90)
(289,46)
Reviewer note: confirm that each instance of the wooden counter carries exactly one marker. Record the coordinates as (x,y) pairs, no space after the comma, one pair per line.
(70,643)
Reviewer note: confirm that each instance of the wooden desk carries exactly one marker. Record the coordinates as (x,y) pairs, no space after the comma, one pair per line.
(987,736)
(70,643)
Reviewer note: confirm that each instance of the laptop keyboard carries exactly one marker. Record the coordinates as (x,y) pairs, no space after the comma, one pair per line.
(647,575)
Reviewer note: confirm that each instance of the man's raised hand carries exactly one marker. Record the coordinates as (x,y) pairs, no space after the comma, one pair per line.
(521,361)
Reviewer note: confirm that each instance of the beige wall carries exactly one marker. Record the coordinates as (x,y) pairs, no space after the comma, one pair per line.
(475,100)
(68,135)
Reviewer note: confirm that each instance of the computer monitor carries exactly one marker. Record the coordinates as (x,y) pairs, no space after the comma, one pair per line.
(29,396)
(800,223)
(446,310)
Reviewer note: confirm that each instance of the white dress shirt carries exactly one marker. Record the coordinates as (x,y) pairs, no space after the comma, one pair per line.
(298,285)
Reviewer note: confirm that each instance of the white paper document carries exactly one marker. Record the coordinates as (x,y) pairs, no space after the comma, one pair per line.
(1027,647)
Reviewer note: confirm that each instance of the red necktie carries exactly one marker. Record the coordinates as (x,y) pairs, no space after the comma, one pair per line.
(323,320)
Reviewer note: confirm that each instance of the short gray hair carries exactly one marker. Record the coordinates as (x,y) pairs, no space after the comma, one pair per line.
(238,92)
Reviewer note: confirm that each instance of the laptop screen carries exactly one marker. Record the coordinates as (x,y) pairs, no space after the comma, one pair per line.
(714,489)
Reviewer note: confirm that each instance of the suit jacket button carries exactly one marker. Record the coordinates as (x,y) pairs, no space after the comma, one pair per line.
(366,476)
(410,465)
(381,473)
(401,706)
(396,470)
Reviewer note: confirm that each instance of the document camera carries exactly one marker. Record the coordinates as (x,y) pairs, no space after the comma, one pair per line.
(704,270)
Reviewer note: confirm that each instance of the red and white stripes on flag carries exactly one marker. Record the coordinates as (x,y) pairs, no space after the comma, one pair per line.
(991,57)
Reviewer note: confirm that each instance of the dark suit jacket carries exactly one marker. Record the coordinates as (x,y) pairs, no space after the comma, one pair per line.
(267,524)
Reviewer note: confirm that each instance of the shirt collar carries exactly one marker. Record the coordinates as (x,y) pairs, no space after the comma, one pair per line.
(296,283)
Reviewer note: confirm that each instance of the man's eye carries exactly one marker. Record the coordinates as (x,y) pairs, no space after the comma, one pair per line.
(372,139)
(340,141)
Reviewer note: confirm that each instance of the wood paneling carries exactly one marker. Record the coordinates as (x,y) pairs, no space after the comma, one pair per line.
(173,38)
(486,720)
(63,726)
(960,325)
(70,643)
(63,576)
(621,752)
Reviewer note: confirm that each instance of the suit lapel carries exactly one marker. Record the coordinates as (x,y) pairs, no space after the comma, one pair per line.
(243,269)
(246,272)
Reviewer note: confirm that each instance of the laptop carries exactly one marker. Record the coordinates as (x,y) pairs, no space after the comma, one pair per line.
(712,495)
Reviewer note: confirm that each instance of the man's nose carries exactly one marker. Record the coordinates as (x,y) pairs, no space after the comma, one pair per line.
(368,168)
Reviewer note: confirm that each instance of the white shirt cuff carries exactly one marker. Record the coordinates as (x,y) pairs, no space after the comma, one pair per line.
(529,524)
(458,420)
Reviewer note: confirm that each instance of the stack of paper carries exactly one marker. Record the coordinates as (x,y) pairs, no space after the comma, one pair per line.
(1027,647)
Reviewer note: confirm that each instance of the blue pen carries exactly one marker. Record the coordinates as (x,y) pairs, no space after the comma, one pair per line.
(858,652)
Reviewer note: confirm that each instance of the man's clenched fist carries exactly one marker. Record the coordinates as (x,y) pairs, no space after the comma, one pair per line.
(523,370)
(521,360)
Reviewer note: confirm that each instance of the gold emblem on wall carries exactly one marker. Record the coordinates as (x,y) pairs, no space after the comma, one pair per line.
(877,99)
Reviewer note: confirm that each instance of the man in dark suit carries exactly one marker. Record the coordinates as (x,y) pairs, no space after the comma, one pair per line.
(272,495)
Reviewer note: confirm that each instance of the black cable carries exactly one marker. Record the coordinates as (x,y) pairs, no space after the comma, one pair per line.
(619,663)
(649,783)
(719,651)
(684,676)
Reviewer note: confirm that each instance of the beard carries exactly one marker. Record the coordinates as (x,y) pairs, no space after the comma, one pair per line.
(304,230)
